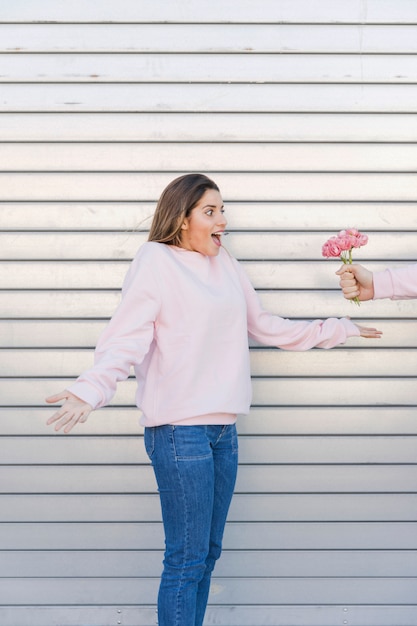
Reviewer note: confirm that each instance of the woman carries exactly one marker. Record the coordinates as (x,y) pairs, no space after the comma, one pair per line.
(394,283)
(183,323)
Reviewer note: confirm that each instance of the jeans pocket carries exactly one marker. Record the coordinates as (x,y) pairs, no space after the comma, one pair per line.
(191,443)
(149,439)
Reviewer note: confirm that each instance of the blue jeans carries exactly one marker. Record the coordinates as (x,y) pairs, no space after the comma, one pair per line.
(195,468)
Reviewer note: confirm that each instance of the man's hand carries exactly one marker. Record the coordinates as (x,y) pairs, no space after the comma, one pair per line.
(356,282)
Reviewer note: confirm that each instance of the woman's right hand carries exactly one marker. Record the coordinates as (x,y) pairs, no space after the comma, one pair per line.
(73,411)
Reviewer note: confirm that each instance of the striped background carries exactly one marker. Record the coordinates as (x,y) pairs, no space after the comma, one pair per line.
(304,113)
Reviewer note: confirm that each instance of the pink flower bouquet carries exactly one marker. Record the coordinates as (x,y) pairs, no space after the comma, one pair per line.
(341,246)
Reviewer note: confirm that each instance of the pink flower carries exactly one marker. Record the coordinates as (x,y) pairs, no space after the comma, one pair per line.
(357,238)
(342,244)
(332,248)
(344,240)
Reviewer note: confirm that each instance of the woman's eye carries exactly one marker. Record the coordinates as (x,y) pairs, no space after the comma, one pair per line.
(209,212)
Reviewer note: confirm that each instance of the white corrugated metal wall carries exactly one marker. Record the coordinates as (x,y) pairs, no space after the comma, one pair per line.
(304,112)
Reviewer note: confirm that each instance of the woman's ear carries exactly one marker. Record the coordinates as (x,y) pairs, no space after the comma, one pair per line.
(184,225)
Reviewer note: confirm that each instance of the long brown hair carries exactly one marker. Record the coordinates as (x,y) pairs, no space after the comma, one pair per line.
(175,204)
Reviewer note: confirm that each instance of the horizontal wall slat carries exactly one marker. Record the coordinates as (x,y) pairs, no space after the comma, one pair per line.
(200,126)
(244,615)
(62,334)
(267,392)
(329,392)
(374,420)
(266,450)
(276,157)
(91,275)
(251,478)
(313,11)
(110,275)
(328,420)
(102,304)
(358,97)
(269,563)
(92,615)
(35,333)
(257,186)
(264,362)
(255,216)
(259,507)
(261,246)
(224,590)
(238,536)
(211,68)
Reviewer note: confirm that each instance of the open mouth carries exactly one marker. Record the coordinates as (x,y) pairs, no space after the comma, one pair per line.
(217,237)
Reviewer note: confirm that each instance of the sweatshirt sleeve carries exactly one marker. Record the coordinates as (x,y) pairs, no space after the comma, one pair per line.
(291,335)
(397,284)
(127,338)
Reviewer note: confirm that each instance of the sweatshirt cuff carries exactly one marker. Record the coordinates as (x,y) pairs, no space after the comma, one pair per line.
(87,393)
(383,286)
(351,329)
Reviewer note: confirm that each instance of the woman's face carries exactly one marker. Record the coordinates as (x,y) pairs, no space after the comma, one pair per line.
(203,229)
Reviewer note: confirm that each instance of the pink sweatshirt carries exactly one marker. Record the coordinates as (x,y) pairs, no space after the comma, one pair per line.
(183,324)
(397,284)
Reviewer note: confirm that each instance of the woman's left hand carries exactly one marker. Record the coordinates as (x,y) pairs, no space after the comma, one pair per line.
(369,333)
